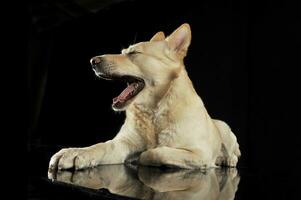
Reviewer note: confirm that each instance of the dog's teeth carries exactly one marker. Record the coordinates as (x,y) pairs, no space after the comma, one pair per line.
(128,83)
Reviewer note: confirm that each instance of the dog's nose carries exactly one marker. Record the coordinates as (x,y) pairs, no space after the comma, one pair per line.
(94,61)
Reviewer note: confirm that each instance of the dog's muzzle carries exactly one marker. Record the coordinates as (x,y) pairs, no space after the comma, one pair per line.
(96,62)
(134,84)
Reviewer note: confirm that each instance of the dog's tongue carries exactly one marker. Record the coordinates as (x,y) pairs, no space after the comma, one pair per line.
(126,93)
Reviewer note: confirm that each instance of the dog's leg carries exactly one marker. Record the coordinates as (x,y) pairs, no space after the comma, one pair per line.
(167,156)
(230,149)
(111,152)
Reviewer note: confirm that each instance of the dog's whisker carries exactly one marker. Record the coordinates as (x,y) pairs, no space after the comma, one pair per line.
(135,38)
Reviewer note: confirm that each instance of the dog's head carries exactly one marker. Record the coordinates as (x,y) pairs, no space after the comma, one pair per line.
(148,67)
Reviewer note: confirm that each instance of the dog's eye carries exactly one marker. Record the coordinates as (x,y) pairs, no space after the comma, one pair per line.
(133,53)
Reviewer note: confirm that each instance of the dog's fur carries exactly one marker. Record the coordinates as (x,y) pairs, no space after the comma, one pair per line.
(166,123)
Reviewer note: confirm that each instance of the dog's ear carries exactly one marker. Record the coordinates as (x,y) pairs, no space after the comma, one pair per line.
(158,37)
(180,39)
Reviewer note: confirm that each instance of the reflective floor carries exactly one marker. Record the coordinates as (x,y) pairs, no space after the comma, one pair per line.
(154,183)
(136,182)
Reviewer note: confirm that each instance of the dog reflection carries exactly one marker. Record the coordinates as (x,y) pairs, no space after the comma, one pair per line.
(155,183)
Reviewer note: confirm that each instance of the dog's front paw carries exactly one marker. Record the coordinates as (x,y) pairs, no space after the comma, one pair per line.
(68,158)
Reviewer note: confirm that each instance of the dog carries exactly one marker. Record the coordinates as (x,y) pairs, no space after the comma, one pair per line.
(166,121)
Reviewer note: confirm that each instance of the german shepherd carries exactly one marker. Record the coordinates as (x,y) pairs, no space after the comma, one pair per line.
(166,122)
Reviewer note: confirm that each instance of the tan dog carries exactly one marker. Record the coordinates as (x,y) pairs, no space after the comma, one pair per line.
(166,121)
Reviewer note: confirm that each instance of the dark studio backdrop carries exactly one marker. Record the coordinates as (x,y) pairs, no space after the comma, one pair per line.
(241,61)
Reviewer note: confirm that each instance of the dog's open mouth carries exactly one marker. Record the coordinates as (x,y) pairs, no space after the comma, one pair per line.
(134,86)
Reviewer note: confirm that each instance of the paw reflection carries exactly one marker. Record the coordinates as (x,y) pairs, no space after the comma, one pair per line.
(155,183)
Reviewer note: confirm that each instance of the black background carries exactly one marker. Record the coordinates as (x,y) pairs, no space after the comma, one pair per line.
(243,62)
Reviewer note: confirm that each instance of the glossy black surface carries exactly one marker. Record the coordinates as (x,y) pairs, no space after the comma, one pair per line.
(154,183)
(127,182)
